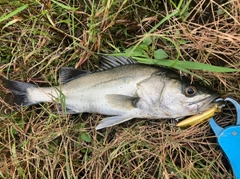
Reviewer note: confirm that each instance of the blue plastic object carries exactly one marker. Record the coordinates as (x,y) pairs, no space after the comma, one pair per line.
(229,139)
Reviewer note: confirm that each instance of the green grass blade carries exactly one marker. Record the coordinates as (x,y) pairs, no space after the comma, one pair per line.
(200,66)
(182,65)
(5,17)
(10,23)
(174,13)
(67,163)
(16,161)
(69,8)
(162,21)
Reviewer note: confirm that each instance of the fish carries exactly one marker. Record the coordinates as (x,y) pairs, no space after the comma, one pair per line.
(121,89)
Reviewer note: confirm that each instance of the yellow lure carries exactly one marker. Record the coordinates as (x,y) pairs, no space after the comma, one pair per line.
(199,117)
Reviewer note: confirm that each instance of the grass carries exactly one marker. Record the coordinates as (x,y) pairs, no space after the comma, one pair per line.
(39,37)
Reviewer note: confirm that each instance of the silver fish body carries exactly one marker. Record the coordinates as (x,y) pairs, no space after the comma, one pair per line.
(122,91)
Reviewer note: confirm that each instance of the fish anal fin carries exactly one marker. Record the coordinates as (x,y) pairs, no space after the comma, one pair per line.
(65,109)
(68,74)
(112,121)
(122,101)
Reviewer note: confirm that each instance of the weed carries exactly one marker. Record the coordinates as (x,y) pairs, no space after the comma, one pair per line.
(39,37)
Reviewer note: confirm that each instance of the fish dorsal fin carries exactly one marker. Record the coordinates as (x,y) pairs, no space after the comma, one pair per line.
(69,73)
(108,62)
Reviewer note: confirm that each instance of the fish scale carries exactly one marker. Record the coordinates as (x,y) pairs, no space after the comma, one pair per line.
(105,84)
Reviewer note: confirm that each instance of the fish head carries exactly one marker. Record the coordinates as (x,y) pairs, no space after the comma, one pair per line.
(180,98)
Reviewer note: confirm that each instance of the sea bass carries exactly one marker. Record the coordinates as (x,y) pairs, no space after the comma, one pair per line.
(122,89)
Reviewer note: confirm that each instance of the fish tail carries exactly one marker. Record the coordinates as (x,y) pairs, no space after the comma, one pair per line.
(19,89)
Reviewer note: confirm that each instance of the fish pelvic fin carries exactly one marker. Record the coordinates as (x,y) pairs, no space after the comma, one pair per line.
(19,89)
(112,121)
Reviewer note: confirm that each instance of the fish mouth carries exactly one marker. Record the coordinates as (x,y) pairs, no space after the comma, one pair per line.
(208,102)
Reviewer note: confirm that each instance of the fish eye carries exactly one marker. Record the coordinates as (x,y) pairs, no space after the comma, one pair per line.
(190,91)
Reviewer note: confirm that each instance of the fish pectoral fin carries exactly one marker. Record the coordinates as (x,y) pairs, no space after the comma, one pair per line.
(112,121)
(122,101)
(68,74)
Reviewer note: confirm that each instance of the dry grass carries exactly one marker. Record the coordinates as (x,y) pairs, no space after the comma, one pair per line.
(36,143)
